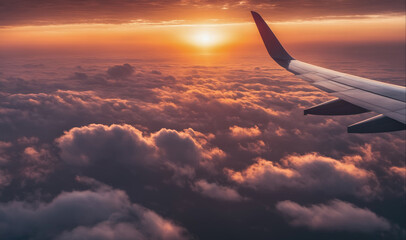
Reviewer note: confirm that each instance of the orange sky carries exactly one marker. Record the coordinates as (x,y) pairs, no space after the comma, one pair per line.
(173,36)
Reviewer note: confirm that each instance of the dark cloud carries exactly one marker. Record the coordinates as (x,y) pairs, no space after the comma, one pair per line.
(50,12)
(80,76)
(37,164)
(4,158)
(213,190)
(100,213)
(5,178)
(182,153)
(87,145)
(156,72)
(336,215)
(120,71)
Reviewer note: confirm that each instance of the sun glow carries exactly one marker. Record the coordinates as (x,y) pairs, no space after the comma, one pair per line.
(206,38)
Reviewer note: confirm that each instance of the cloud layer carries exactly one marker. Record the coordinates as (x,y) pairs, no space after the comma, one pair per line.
(169,151)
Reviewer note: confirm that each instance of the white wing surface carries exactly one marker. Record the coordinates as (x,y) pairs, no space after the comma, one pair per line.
(354,94)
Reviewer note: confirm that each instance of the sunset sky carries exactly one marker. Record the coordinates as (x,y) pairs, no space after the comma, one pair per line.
(168,120)
(154,27)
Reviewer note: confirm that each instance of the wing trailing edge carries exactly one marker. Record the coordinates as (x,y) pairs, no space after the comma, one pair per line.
(376,124)
(335,107)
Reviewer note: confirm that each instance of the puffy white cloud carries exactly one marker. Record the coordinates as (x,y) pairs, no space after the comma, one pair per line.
(336,215)
(310,171)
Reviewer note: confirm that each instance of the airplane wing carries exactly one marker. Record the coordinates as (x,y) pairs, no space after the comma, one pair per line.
(354,94)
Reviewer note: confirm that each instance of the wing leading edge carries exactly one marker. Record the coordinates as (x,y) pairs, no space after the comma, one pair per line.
(354,94)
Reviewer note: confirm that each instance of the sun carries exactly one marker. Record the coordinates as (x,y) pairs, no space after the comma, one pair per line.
(205,38)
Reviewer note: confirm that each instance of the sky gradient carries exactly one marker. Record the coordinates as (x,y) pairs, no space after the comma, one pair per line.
(168,120)
(153,27)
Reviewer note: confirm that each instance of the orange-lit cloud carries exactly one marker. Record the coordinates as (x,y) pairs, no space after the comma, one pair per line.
(213,190)
(309,171)
(239,132)
(401,171)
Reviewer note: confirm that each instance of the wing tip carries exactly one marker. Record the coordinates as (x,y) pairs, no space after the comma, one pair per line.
(257,16)
(272,44)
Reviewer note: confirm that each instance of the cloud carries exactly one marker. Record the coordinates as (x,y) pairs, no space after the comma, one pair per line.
(100,213)
(308,172)
(149,226)
(257,147)
(179,151)
(156,72)
(187,148)
(4,158)
(239,132)
(47,11)
(103,231)
(155,104)
(5,178)
(80,76)
(38,163)
(213,190)
(366,155)
(334,216)
(25,160)
(401,171)
(88,144)
(120,71)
